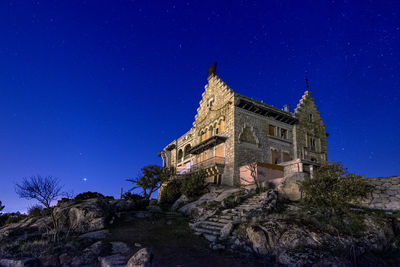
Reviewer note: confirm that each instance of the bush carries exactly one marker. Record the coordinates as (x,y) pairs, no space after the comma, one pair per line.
(8,218)
(333,189)
(89,195)
(130,196)
(193,184)
(171,191)
(35,211)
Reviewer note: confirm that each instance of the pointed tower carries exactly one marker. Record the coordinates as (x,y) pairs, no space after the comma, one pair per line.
(309,138)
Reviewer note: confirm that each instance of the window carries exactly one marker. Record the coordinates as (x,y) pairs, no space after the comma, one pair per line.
(312,144)
(310,118)
(286,156)
(180,155)
(203,136)
(211,103)
(271,130)
(216,126)
(274,156)
(187,149)
(284,134)
(221,126)
(207,133)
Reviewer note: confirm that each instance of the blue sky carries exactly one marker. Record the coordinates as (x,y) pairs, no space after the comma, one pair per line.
(94,89)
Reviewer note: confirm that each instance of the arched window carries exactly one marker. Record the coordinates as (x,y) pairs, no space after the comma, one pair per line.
(211,131)
(180,155)
(203,136)
(207,133)
(216,127)
(221,126)
(187,149)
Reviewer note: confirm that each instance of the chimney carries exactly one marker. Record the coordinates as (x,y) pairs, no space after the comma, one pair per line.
(286,108)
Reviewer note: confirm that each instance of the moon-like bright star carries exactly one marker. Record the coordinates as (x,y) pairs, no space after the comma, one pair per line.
(84,179)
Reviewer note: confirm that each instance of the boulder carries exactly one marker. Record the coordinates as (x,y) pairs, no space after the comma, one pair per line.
(179,202)
(258,240)
(115,260)
(96,234)
(289,188)
(24,262)
(83,216)
(142,258)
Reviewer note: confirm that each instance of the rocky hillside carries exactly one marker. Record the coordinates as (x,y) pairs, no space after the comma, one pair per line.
(269,227)
(223,227)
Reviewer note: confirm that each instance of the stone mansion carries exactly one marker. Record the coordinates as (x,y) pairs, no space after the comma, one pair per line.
(231,130)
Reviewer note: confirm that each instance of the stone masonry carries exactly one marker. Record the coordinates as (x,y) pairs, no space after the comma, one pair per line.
(231,130)
(385,193)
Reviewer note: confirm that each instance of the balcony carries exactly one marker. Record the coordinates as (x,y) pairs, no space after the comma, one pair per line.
(208,163)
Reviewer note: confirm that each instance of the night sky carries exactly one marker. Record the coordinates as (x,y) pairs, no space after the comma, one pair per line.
(91,91)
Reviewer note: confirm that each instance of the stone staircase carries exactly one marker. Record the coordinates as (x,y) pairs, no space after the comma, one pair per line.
(212,227)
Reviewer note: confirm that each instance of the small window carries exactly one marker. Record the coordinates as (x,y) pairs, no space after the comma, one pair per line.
(310,118)
(312,144)
(284,134)
(271,130)
(211,103)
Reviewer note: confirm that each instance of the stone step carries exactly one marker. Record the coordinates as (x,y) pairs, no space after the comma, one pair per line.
(214,223)
(205,225)
(227,217)
(207,231)
(225,221)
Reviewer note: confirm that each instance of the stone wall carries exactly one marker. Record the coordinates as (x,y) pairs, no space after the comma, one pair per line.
(385,194)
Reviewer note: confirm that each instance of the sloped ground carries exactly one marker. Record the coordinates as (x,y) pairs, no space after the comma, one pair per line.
(174,244)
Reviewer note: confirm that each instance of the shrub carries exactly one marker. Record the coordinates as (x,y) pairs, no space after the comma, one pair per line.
(89,195)
(35,211)
(333,189)
(130,196)
(14,217)
(171,191)
(193,184)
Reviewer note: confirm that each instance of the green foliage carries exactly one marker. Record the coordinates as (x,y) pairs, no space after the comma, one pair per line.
(171,191)
(89,195)
(333,189)
(35,211)
(130,196)
(193,184)
(150,179)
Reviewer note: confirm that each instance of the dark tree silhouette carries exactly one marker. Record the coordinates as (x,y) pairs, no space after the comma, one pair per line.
(43,189)
(1,207)
(150,179)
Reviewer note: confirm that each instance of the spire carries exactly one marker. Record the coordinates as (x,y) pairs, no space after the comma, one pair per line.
(307,84)
(212,69)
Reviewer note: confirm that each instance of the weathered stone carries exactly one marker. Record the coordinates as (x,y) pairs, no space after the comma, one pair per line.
(24,262)
(116,260)
(179,202)
(96,234)
(142,258)
(226,230)
(258,239)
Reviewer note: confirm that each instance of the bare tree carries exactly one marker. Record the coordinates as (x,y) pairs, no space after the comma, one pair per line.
(253,169)
(43,189)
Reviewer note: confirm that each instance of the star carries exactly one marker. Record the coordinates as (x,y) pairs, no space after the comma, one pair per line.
(84,179)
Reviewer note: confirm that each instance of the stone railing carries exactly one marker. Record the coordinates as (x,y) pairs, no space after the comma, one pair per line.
(385,193)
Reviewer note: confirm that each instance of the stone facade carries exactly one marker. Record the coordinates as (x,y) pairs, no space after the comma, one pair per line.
(385,193)
(231,130)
